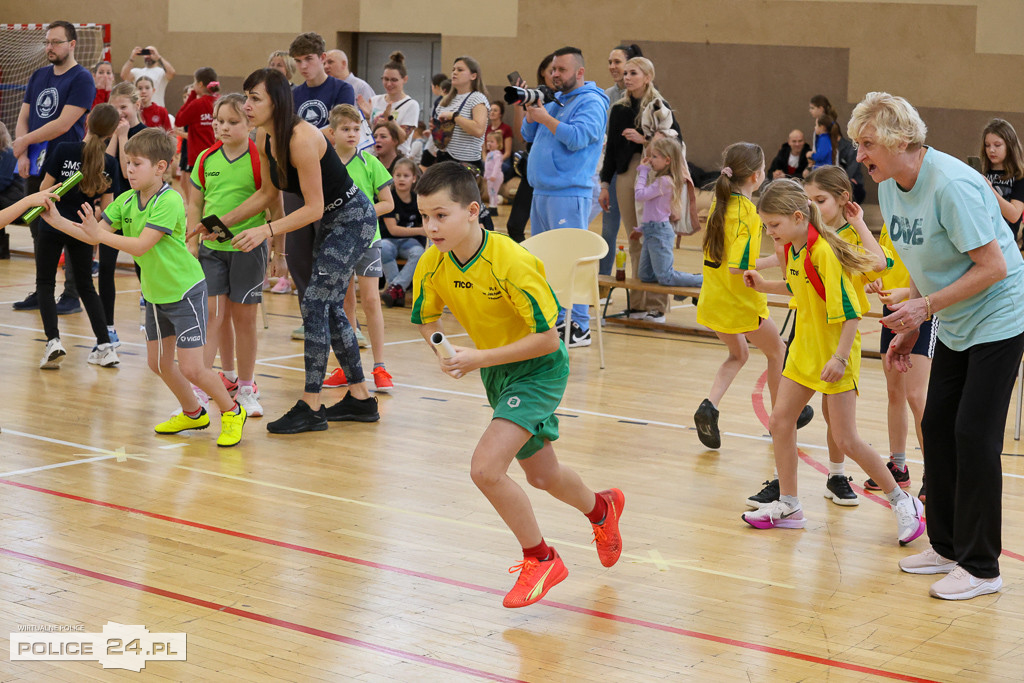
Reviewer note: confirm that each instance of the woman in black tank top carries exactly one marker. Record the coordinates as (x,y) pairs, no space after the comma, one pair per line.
(312,170)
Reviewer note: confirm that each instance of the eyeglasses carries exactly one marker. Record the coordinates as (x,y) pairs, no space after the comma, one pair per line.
(54,43)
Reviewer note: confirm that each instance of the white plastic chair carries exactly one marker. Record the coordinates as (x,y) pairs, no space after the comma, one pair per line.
(570,258)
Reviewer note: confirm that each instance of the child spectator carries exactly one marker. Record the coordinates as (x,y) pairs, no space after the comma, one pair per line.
(826,143)
(103,77)
(825,355)
(1002,162)
(370,176)
(418,142)
(664,195)
(492,167)
(98,169)
(196,115)
(152,217)
(151,113)
(495,123)
(403,235)
(224,176)
(523,364)
(12,186)
(439,87)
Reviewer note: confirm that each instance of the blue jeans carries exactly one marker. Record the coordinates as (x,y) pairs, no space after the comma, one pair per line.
(656,258)
(408,248)
(610,229)
(548,212)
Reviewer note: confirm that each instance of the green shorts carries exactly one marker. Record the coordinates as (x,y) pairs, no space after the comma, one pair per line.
(528,393)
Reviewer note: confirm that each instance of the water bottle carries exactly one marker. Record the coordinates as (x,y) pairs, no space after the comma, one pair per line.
(620,264)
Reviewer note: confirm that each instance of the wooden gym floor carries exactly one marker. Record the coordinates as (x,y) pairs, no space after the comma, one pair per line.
(366,553)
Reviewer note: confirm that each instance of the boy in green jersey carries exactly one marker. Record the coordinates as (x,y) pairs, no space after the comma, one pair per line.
(151,217)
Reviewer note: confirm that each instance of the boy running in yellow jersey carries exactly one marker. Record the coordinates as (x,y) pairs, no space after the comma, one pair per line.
(498,293)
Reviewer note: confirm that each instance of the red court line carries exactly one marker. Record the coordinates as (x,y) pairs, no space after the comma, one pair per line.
(484,589)
(257,617)
(757,398)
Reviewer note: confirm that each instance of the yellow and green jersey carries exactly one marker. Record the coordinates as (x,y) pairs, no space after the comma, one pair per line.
(851,236)
(897,275)
(499,297)
(819,321)
(168,268)
(726,304)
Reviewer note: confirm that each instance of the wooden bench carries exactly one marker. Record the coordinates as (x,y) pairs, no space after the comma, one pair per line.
(633,284)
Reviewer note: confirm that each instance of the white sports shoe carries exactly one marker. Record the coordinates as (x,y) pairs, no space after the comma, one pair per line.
(962,585)
(104,355)
(53,356)
(908,511)
(928,562)
(246,398)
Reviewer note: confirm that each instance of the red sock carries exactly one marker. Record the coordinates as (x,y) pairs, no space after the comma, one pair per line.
(597,515)
(540,552)
(195,414)
(234,409)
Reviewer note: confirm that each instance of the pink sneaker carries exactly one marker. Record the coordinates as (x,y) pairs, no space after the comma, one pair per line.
(282,286)
(776,515)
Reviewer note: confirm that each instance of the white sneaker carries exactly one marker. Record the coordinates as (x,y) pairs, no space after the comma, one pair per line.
(908,511)
(962,585)
(776,515)
(654,317)
(104,355)
(928,562)
(53,356)
(246,398)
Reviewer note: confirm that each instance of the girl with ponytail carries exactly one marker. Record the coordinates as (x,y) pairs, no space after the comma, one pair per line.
(98,169)
(824,355)
(736,313)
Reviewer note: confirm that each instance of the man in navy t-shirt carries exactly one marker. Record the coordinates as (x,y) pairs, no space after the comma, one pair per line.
(57,99)
(314,100)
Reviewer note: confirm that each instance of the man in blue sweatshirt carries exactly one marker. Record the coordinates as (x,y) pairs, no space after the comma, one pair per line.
(567,136)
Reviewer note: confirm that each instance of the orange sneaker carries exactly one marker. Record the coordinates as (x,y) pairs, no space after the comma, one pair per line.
(382,379)
(336,379)
(606,535)
(536,578)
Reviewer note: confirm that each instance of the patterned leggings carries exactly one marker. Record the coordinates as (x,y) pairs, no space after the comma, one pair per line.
(344,236)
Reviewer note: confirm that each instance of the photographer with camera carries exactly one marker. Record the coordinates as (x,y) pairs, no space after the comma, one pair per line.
(158,69)
(567,134)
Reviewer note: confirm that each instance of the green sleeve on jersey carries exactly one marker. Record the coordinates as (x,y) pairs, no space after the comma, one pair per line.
(167,214)
(427,305)
(379,176)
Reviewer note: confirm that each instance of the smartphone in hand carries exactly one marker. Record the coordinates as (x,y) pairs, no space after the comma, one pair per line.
(217,227)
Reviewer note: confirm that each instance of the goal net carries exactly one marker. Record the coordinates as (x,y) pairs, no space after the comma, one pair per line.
(22,52)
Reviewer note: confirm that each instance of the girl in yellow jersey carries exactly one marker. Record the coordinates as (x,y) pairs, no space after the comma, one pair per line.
(736,313)
(824,355)
(829,188)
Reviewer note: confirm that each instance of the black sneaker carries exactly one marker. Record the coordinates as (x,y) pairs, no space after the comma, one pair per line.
(352,409)
(769,494)
(560,330)
(393,296)
(706,419)
(29,303)
(806,415)
(902,478)
(67,305)
(839,490)
(301,418)
(578,336)
(921,494)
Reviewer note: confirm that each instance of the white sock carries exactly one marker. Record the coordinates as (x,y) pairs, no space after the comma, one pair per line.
(791,501)
(231,375)
(895,495)
(835,469)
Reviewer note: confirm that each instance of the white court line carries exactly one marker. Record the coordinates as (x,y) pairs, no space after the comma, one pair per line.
(29,470)
(173,446)
(391,343)
(65,334)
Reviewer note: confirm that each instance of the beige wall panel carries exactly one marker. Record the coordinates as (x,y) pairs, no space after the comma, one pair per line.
(449,17)
(243,16)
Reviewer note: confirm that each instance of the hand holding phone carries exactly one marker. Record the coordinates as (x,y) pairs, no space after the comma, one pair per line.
(217,227)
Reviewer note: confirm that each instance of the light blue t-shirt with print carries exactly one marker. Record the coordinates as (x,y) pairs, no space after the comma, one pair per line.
(950,211)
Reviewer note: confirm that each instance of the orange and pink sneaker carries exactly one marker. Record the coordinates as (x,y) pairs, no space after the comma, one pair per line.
(536,578)
(606,534)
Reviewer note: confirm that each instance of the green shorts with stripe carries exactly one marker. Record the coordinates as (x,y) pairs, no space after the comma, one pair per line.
(528,393)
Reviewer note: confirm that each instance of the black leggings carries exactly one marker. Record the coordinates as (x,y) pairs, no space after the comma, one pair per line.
(298,247)
(49,244)
(31,187)
(108,292)
(964,417)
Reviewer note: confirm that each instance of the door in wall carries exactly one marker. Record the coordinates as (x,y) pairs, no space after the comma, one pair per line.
(422,60)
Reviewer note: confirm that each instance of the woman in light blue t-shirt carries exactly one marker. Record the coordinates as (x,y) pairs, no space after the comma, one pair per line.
(966,270)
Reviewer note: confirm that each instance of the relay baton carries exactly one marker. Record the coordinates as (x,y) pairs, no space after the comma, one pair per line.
(442,344)
(64,188)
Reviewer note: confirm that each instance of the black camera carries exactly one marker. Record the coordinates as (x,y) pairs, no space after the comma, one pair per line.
(529,96)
